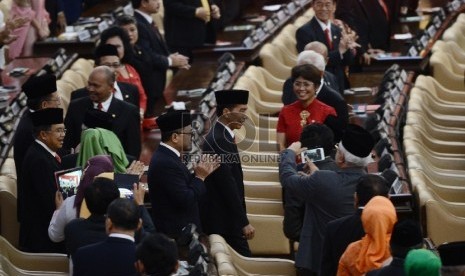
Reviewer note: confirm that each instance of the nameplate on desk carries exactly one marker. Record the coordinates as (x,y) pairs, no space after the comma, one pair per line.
(59,61)
(413,52)
(456,4)
(83,35)
(396,186)
(424,40)
(358,91)
(260,34)
(269,25)
(403,75)
(128,10)
(291,7)
(281,15)
(248,42)
(437,21)
(432,30)
(231,66)
(102,26)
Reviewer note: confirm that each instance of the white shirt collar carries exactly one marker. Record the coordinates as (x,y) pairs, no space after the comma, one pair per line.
(118,94)
(105,104)
(121,236)
(171,148)
(147,17)
(46,147)
(324,26)
(321,86)
(228,129)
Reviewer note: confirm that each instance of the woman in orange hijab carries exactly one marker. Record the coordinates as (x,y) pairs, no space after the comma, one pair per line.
(378,219)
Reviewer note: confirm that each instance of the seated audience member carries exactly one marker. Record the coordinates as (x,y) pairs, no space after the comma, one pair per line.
(320,28)
(157,255)
(117,254)
(343,231)
(324,94)
(422,262)
(452,258)
(38,181)
(69,209)
(126,73)
(378,219)
(79,232)
(306,110)
(126,119)
(405,237)
(107,55)
(313,136)
(328,195)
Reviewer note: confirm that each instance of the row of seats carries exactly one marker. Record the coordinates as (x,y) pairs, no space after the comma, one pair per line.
(434,138)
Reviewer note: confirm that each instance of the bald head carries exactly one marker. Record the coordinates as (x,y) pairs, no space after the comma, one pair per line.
(100,83)
(318,47)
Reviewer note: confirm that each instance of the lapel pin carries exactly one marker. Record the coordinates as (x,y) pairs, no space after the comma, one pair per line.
(113,115)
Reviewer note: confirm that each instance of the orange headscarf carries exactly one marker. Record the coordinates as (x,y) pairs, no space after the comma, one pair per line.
(378,218)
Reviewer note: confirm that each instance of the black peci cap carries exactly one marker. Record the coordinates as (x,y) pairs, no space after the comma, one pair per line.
(357,141)
(39,86)
(47,116)
(233,96)
(174,120)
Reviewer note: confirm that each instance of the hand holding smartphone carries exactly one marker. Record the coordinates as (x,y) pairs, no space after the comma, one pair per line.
(313,155)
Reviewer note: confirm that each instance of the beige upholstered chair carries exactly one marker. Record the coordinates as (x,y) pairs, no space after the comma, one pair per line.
(229,262)
(445,70)
(442,226)
(263,190)
(274,61)
(34,261)
(264,207)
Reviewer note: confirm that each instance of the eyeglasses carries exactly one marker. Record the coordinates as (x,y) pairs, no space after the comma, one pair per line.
(113,65)
(59,130)
(320,5)
(305,84)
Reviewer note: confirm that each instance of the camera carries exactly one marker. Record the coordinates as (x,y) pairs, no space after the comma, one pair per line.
(313,155)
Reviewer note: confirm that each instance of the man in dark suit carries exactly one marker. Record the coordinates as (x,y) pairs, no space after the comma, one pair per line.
(188,24)
(341,232)
(38,186)
(154,48)
(126,123)
(224,212)
(369,20)
(80,232)
(324,94)
(328,195)
(41,93)
(320,28)
(175,192)
(117,254)
(107,55)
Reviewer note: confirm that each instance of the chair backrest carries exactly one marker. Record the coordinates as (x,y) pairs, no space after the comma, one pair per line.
(441,225)
(451,48)
(64,90)
(274,62)
(264,207)
(34,261)
(264,77)
(85,65)
(263,190)
(74,79)
(269,237)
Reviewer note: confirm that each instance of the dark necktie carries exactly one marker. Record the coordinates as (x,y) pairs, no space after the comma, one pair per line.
(57,157)
(157,32)
(385,8)
(328,39)
(100,106)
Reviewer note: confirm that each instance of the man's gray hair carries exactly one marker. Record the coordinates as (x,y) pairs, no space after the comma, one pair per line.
(313,58)
(352,159)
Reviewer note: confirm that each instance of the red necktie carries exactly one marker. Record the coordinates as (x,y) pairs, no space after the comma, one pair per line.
(328,39)
(100,106)
(385,8)
(57,157)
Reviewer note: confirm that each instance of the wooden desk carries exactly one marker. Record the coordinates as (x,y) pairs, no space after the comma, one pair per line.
(241,52)
(84,49)
(34,65)
(199,76)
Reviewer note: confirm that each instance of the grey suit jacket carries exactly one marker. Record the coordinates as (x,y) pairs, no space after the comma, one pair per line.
(328,195)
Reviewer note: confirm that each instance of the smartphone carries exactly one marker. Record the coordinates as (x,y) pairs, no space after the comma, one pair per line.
(314,155)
